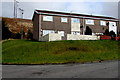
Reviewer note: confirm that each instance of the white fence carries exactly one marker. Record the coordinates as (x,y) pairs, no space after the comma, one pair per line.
(82,37)
(51,37)
(56,37)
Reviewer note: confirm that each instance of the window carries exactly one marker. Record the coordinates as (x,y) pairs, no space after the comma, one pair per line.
(76,33)
(113,27)
(47,18)
(63,19)
(112,23)
(61,33)
(91,22)
(103,23)
(75,20)
(45,32)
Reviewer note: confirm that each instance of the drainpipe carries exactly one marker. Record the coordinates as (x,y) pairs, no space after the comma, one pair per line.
(84,27)
(116,29)
(39,26)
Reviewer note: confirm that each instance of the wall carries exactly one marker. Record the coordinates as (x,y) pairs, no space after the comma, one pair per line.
(54,37)
(68,27)
(36,27)
(82,37)
(51,37)
(97,28)
(113,27)
(56,24)
(44,38)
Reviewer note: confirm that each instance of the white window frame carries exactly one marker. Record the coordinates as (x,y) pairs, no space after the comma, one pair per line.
(75,32)
(75,20)
(47,18)
(90,22)
(64,19)
(61,33)
(45,32)
(103,23)
(112,23)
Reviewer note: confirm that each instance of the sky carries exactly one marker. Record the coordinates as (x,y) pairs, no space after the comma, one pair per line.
(94,7)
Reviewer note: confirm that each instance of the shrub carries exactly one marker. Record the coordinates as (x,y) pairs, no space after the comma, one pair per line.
(18,35)
(112,34)
(29,35)
(6,33)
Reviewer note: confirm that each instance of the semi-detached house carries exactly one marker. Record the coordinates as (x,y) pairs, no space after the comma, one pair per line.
(52,25)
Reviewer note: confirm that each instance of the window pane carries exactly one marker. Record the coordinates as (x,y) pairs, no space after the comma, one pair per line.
(47,18)
(75,20)
(45,32)
(112,23)
(76,33)
(103,23)
(63,19)
(88,21)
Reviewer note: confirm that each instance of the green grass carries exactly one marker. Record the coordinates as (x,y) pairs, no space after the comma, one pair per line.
(30,52)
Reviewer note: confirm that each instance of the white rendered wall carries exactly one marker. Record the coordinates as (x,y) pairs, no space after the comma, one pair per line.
(75,27)
(82,37)
(44,38)
(112,26)
(51,37)
(54,37)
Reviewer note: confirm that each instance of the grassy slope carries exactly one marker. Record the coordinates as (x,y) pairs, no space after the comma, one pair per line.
(29,52)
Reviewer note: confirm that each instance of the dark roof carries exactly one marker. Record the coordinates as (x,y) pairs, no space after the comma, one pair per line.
(74,14)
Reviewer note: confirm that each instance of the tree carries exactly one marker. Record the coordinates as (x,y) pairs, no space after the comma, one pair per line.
(88,31)
(6,33)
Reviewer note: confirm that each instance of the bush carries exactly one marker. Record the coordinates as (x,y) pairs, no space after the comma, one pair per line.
(18,36)
(29,35)
(6,33)
(112,34)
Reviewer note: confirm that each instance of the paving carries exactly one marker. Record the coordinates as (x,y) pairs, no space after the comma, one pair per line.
(107,69)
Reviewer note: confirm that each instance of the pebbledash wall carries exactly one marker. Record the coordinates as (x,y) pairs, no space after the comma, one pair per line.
(51,26)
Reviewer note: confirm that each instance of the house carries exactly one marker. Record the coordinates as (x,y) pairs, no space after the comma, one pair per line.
(52,25)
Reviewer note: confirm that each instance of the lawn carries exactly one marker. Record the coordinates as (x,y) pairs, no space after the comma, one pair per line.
(32,52)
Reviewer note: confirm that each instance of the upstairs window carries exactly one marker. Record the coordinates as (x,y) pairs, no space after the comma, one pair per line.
(112,23)
(47,18)
(103,23)
(63,19)
(90,22)
(75,20)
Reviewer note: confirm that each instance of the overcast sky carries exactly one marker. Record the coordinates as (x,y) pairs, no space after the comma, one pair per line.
(94,7)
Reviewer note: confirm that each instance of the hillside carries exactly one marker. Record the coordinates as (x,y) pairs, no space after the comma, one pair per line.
(30,52)
(15,24)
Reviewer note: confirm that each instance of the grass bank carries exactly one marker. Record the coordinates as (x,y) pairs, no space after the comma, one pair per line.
(30,52)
